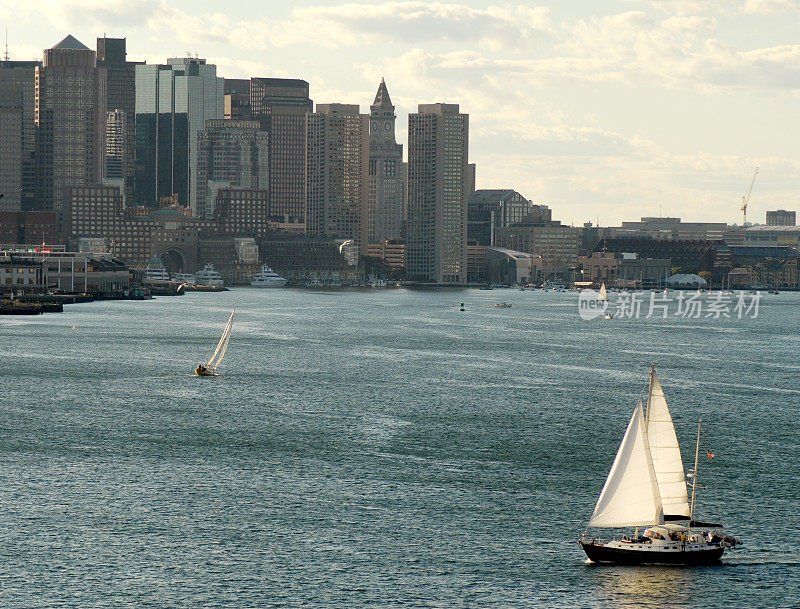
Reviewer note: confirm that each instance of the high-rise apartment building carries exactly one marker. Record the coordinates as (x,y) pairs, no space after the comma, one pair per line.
(229,154)
(18,138)
(70,114)
(173,103)
(338,154)
(781,217)
(385,212)
(280,105)
(438,145)
(121,109)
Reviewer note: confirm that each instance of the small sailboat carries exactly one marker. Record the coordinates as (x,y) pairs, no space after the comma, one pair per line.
(603,293)
(646,487)
(210,367)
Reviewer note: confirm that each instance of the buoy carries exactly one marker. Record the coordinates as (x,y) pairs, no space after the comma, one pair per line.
(462,307)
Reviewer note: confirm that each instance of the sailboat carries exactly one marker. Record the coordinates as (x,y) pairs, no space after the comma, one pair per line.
(210,367)
(646,487)
(603,293)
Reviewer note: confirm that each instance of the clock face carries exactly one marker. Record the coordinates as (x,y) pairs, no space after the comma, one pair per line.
(374,124)
(387,126)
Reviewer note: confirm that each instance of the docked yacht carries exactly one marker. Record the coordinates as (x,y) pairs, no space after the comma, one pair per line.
(184,278)
(155,273)
(267,278)
(208,276)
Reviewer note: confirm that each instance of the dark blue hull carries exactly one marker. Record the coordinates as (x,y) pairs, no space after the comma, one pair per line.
(601,553)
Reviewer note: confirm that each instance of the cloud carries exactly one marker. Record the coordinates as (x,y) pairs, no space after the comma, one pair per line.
(352,25)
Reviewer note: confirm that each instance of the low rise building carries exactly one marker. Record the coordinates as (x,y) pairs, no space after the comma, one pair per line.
(556,244)
(509,267)
(22,275)
(310,259)
(391,251)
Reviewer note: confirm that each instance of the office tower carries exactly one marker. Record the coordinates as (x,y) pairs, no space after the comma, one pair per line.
(491,209)
(437,194)
(120,108)
(18,97)
(70,113)
(229,154)
(173,103)
(338,176)
(385,214)
(237,99)
(781,217)
(280,105)
(10,149)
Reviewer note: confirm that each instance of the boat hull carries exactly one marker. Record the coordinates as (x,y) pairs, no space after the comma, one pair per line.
(602,554)
(199,372)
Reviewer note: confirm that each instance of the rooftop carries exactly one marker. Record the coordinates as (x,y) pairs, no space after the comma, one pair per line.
(71,43)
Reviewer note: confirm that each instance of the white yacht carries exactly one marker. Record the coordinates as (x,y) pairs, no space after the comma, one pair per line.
(267,278)
(155,273)
(184,278)
(208,276)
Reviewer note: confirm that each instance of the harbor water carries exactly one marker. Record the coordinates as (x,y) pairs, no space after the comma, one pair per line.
(379,449)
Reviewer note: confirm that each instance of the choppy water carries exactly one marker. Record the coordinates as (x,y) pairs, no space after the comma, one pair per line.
(378,449)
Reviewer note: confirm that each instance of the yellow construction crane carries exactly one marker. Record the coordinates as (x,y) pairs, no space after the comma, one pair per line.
(746,198)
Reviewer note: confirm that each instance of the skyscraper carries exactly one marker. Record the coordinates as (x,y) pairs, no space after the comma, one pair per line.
(70,114)
(121,109)
(280,105)
(229,153)
(438,145)
(385,213)
(237,99)
(17,104)
(338,153)
(173,103)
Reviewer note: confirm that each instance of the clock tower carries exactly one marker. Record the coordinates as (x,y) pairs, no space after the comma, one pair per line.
(381,117)
(386,200)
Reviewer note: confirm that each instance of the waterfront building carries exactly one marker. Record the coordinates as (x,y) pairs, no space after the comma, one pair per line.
(21,276)
(17,134)
(556,244)
(600,267)
(772,235)
(438,145)
(781,217)
(337,176)
(120,109)
(487,209)
(71,272)
(689,255)
(70,114)
(673,228)
(642,272)
(280,105)
(234,258)
(510,267)
(230,153)
(310,259)
(385,211)
(391,251)
(173,103)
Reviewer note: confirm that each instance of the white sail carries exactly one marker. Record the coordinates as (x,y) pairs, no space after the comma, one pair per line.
(222,345)
(665,452)
(603,293)
(630,495)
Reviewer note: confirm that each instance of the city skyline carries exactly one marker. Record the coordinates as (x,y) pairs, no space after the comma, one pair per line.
(609,115)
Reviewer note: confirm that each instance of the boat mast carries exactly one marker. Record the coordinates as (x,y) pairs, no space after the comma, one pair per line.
(694,475)
(649,393)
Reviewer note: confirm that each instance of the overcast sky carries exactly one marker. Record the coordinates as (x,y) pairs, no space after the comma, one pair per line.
(611,110)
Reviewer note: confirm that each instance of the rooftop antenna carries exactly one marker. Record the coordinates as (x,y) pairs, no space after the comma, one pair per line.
(5,57)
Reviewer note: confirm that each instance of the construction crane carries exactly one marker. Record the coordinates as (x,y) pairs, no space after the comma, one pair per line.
(746,198)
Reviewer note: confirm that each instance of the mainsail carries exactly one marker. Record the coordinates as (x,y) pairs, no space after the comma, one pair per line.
(603,293)
(222,346)
(630,496)
(665,452)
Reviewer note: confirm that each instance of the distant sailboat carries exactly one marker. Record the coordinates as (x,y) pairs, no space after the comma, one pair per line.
(210,367)
(646,487)
(603,293)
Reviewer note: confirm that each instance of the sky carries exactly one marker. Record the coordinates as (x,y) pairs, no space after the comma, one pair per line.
(605,111)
